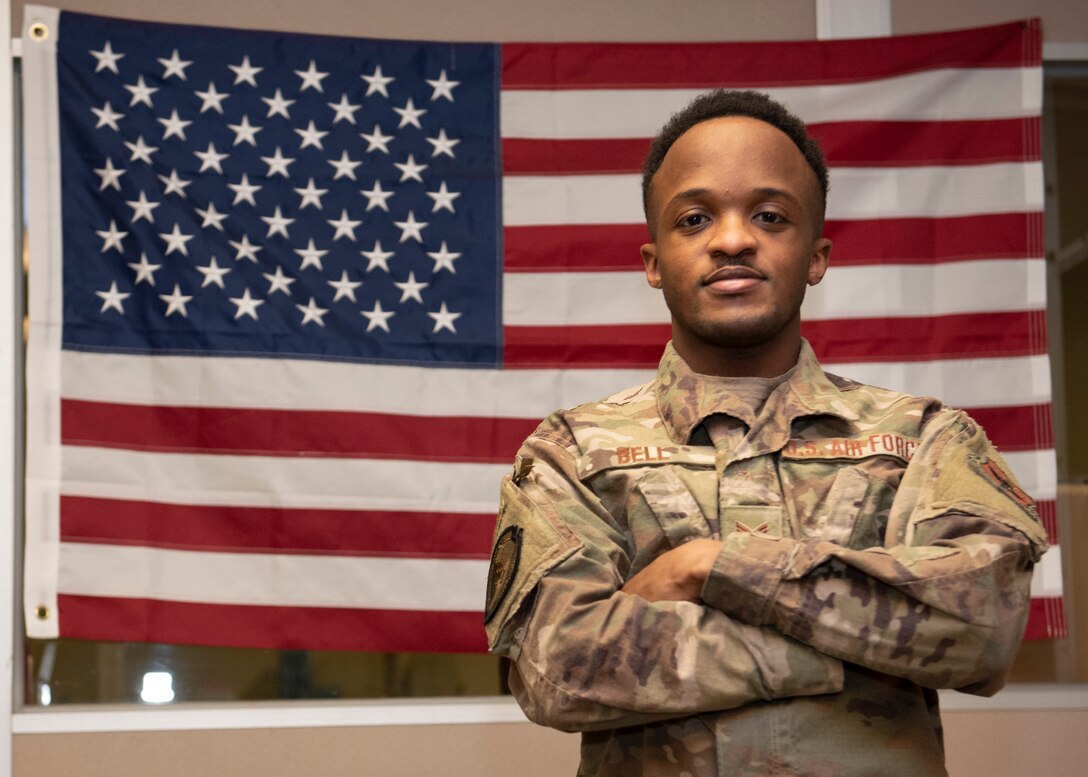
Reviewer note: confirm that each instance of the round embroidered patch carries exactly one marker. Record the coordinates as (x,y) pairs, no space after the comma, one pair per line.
(504,566)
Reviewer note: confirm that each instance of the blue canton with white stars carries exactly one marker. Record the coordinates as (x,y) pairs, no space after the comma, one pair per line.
(243,193)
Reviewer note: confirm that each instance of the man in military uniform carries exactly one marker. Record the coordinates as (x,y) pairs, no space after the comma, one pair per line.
(749,566)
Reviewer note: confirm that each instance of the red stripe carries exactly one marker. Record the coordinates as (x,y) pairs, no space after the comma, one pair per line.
(627,346)
(302,433)
(835,341)
(918,338)
(860,143)
(763,63)
(1017,428)
(1046,619)
(1048,515)
(615,247)
(274,628)
(276,530)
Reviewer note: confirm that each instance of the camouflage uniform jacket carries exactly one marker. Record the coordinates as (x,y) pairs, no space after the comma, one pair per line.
(873,549)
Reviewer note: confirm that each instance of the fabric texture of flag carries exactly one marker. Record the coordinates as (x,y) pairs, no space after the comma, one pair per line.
(296,300)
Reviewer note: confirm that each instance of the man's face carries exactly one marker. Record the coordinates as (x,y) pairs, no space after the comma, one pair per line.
(735,210)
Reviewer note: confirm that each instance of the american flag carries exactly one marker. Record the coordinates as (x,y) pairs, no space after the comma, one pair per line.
(296,300)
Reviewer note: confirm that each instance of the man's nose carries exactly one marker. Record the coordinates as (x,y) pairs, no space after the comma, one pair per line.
(731,234)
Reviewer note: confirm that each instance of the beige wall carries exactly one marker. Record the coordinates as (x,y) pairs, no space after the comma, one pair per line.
(996,744)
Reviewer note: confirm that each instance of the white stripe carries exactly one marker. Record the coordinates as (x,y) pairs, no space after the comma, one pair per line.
(270,579)
(288,384)
(269,481)
(965,383)
(1046,579)
(357,484)
(870,291)
(1036,471)
(933,95)
(222,382)
(856,193)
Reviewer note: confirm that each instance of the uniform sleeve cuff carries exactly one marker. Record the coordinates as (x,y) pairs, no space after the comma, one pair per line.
(746,575)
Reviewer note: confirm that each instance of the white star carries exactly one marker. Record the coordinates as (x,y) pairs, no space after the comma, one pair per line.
(443,87)
(277,104)
(410,228)
(247,306)
(410,170)
(311,77)
(410,114)
(376,82)
(443,198)
(444,258)
(244,132)
(444,319)
(174,66)
(311,312)
(145,271)
(107,117)
(278,282)
(345,110)
(142,207)
(244,249)
(110,176)
(141,92)
(244,190)
(344,287)
(111,238)
(377,318)
(176,301)
(213,273)
(212,99)
(311,195)
(376,140)
(107,60)
(246,73)
(277,163)
(174,185)
(212,217)
(377,257)
(140,150)
(376,197)
(277,223)
(311,256)
(210,159)
(411,289)
(345,227)
(443,144)
(112,298)
(345,167)
(311,136)
(176,240)
(174,125)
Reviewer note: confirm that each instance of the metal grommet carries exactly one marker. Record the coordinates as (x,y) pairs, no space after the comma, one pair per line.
(38,31)
(42,612)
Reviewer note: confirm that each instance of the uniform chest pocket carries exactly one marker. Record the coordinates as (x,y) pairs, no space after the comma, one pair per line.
(854,512)
(663,514)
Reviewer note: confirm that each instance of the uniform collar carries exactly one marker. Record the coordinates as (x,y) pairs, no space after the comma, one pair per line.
(685,398)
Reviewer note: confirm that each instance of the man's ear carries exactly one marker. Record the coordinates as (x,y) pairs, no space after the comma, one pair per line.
(649,259)
(817,264)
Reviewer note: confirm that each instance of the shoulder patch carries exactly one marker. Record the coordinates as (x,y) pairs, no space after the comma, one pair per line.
(1004,482)
(504,568)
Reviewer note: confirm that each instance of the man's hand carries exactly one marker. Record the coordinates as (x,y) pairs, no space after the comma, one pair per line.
(676,575)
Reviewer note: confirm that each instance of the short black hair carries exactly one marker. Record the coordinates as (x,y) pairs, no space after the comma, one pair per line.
(726,102)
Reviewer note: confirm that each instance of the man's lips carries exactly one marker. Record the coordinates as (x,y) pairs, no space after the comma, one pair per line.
(733,279)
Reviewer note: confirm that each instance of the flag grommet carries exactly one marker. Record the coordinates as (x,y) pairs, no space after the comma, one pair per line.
(38,31)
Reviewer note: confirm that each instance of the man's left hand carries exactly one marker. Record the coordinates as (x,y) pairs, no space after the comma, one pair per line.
(676,575)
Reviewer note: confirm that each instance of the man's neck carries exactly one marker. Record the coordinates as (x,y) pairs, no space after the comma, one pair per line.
(764,360)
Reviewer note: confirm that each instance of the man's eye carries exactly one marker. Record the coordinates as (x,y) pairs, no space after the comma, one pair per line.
(770,217)
(692,220)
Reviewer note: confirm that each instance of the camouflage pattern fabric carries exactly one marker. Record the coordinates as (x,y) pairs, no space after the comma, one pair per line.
(874,548)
